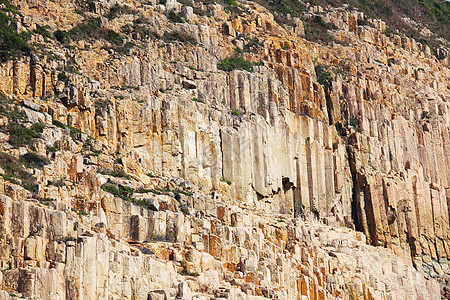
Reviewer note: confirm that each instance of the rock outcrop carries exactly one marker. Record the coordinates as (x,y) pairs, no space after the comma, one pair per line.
(322,174)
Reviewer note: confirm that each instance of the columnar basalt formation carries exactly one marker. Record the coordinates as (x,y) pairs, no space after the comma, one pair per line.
(322,174)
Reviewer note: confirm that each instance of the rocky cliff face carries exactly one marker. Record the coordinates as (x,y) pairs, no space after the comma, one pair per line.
(320,172)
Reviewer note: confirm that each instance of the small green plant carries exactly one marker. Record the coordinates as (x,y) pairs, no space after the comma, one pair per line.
(57,183)
(176,17)
(124,192)
(364,22)
(354,122)
(15,172)
(178,191)
(34,160)
(20,135)
(42,31)
(74,132)
(79,212)
(58,124)
(154,237)
(236,63)
(8,268)
(223,179)
(231,2)
(12,43)
(118,10)
(92,29)
(53,149)
(117,173)
(185,272)
(184,209)
(424,114)
(235,112)
(282,8)
(252,46)
(198,100)
(113,37)
(62,36)
(323,77)
(10,109)
(179,36)
(316,29)
(70,239)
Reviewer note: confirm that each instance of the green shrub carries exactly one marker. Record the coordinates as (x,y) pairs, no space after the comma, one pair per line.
(139,31)
(12,44)
(179,36)
(74,132)
(185,272)
(14,170)
(323,77)
(354,122)
(252,46)
(59,124)
(113,37)
(177,191)
(236,63)
(184,209)
(123,192)
(235,112)
(88,146)
(117,10)
(43,31)
(79,212)
(176,17)
(119,173)
(433,14)
(91,29)
(364,22)
(57,183)
(223,179)
(231,2)
(20,136)
(10,109)
(154,237)
(280,8)
(316,29)
(126,193)
(63,76)
(52,149)
(34,160)
(62,36)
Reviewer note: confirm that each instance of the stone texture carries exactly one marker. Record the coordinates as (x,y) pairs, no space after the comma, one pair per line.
(246,184)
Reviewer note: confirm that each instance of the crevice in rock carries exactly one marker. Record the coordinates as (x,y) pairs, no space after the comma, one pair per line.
(329,106)
(354,205)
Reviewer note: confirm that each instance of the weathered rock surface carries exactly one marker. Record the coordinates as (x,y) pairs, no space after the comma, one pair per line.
(282,170)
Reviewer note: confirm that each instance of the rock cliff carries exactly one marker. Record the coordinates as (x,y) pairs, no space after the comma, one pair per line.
(209,151)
